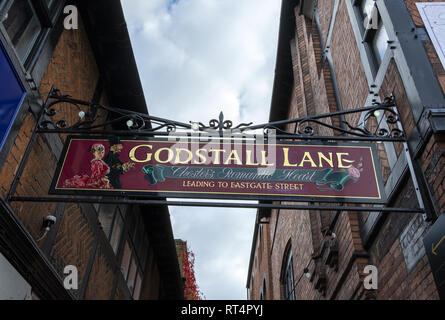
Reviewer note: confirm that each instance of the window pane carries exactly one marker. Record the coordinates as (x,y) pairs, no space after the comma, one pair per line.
(23,27)
(137,287)
(132,275)
(117,231)
(264,289)
(366,7)
(380,43)
(131,224)
(106,215)
(145,250)
(137,231)
(49,3)
(141,248)
(126,260)
(289,292)
(123,210)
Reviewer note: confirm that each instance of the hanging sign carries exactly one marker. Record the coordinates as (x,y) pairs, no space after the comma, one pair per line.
(221,170)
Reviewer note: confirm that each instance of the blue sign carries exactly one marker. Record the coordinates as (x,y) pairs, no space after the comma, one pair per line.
(12,94)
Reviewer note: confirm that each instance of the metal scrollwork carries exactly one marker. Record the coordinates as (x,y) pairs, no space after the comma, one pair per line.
(220,125)
(379,122)
(88,117)
(306,127)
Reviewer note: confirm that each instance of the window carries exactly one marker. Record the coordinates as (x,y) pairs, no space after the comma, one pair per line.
(117,231)
(125,264)
(263,290)
(137,287)
(288,279)
(375,36)
(23,27)
(132,269)
(261,231)
(121,227)
(132,275)
(49,3)
(106,217)
(145,250)
(111,219)
(366,7)
(26,22)
(135,253)
(380,43)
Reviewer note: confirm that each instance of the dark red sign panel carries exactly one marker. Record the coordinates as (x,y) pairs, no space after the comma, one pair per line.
(223,170)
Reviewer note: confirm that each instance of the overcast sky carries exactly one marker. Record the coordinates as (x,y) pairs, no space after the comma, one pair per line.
(195,59)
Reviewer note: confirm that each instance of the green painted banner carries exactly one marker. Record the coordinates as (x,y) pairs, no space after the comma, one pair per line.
(334,180)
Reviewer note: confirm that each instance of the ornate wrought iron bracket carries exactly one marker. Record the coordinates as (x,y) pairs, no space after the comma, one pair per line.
(88,115)
(379,123)
(384,116)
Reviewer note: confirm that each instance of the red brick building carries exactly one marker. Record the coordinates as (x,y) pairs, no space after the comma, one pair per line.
(120,251)
(327,61)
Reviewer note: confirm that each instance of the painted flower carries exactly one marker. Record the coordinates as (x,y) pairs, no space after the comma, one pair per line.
(354,172)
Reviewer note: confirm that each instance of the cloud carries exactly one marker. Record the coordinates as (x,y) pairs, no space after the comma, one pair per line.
(221,240)
(197,58)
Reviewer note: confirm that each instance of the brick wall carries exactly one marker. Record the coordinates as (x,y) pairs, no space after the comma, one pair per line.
(399,284)
(314,93)
(325,9)
(101,279)
(393,84)
(290,228)
(181,248)
(151,286)
(304,71)
(433,166)
(396,248)
(74,71)
(348,68)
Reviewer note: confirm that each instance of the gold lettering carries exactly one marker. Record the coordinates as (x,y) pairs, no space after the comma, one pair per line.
(132,154)
(263,159)
(233,156)
(340,161)
(200,156)
(286,159)
(217,157)
(158,156)
(307,158)
(329,161)
(249,159)
(178,156)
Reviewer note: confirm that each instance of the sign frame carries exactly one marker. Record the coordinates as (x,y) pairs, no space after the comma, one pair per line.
(148,126)
(215,195)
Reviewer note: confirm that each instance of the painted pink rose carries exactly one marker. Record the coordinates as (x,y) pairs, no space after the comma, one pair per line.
(354,172)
